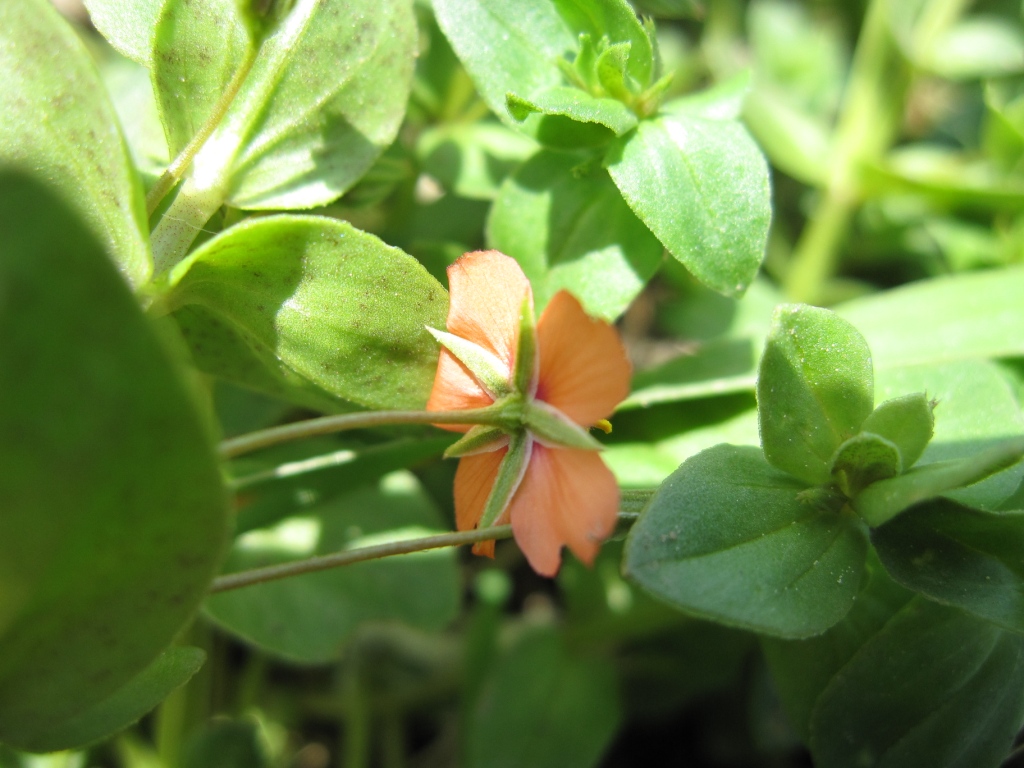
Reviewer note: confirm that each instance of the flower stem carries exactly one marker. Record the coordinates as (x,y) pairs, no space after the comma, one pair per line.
(348,557)
(177,168)
(327,425)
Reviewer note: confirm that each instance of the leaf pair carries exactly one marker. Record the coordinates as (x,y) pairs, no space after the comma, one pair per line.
(582,76)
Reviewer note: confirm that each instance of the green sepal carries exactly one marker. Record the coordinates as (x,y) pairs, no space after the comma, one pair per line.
(527,357)
(484,365)
(885,499)
(611,71)
(510,475)
(554,427)
(585,64)
(480,439)
(907,421)
(864,459)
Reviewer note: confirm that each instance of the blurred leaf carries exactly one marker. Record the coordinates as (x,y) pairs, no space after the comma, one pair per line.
(132,94)
(57,122)
(959,317)
(907,421)
(171,669)
(722,101)
(960,557)
(472,159)
(107,454)
(802,669)
(932,688)
(222,743)
(685,176)
(334,305)
(814,390)
(716,368)
(980,46)
(729,538)
(308,619)
(127,24)
(568,228)
(325,96)
(543,707)
(795,142)
(976,411)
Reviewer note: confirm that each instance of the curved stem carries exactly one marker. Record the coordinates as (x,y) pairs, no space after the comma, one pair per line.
(327,425)
(177,168)
(348,557)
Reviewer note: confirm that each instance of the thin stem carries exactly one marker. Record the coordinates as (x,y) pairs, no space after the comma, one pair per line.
(184,159)
(327,425)
(348,557)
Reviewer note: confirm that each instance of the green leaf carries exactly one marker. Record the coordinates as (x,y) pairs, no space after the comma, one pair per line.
(57,122)
(335,305)
(729,538)
(814,390)
(515,48)
(575,104)
(127,24)
(701,186)
(325,96)
(568,228)
(224,743)
(961,557)
(974,48)
(568,705)
(472,159)
(907,421)
(795,142)
(976,410)
(885,499)
(170,670)
(933,688)
(864,459)
(960,317)
(309,618)
(108,455)
(802,669)
(722,101)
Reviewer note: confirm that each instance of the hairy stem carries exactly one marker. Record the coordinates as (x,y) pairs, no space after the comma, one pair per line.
(327,425)
(348,557)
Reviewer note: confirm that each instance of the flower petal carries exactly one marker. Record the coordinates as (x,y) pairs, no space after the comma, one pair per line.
(473,482)
(568,497)
(455,389)
(584,371)
(487,291)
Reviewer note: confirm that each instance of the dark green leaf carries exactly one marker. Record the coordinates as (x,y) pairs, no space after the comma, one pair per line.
(472,159)
(959,556)
(976,410)
(934,688)
(864,459)
(701,186)
(334,305)
(56,121)
(225,743)
(731,539)
(309,618)
(114,513)
(907,421)
(802,669)
(814,390)
(568,228)
(543,707)
(882,501)
(171,669)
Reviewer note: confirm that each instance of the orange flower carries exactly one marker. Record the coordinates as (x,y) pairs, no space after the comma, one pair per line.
(540,470)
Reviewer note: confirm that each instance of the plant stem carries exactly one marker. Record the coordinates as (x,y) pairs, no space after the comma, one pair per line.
(184,159)
(348,557)
(869,120)
(327,425)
